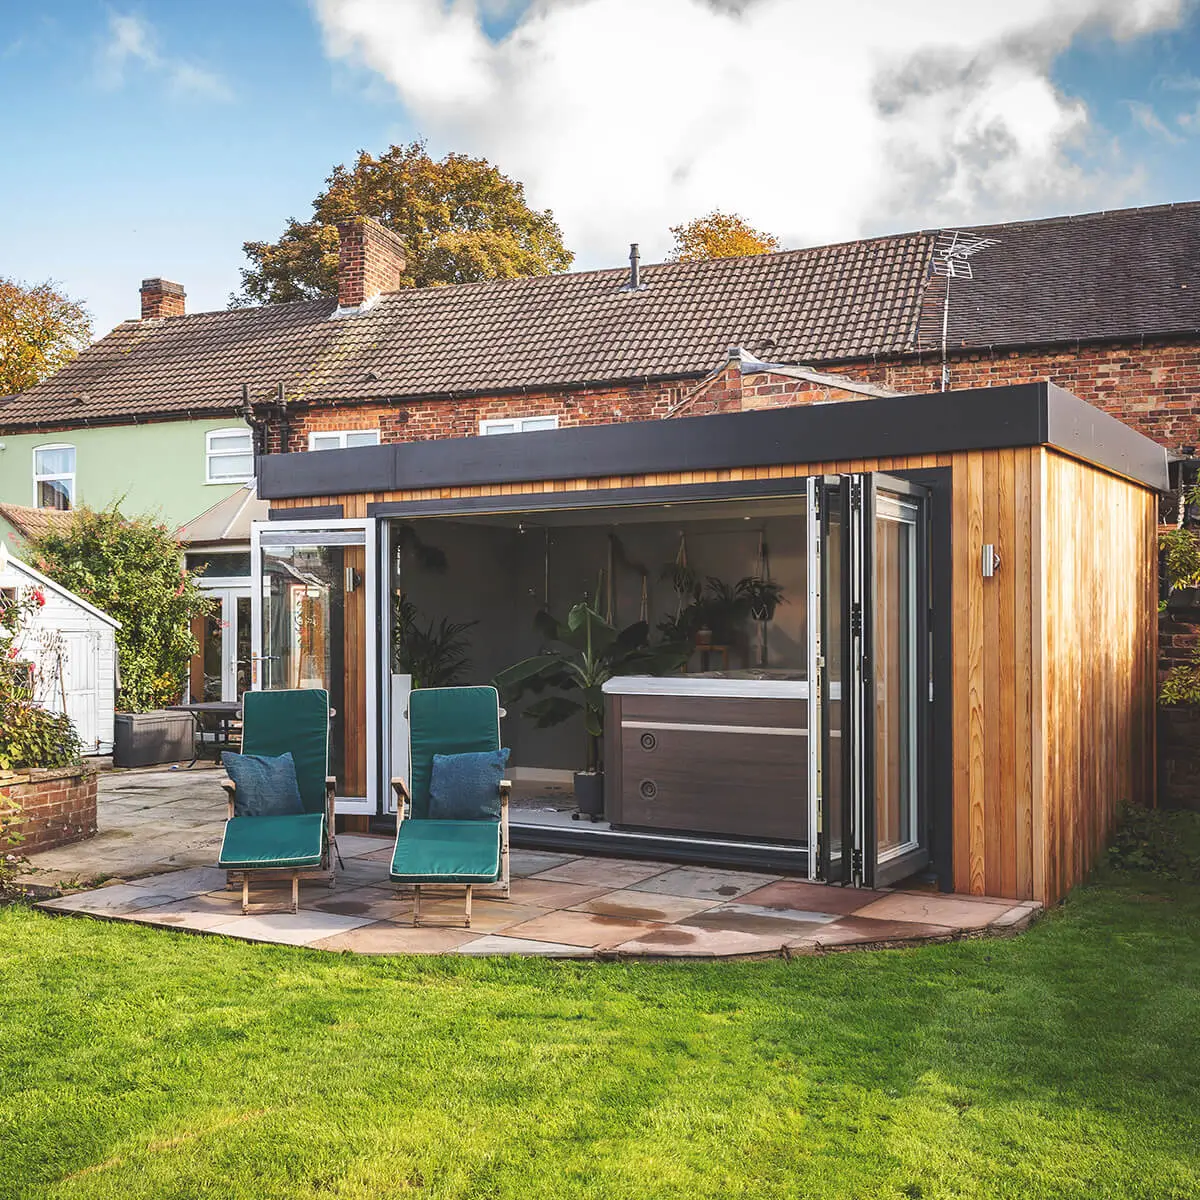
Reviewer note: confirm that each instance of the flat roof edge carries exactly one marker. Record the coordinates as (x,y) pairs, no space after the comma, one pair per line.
(905,426)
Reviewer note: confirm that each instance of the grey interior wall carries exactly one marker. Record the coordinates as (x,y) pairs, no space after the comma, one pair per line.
(501,576)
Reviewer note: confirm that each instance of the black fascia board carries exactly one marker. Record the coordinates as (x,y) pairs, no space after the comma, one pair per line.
(883,427)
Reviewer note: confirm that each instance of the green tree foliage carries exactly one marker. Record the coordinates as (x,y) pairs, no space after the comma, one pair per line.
(41,330)
(719,235)
(460,219)
(131,568)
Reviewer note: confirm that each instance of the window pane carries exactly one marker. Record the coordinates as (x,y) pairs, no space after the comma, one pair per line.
(363,437)
(57,461)
(231,442)
(223,566)
(528,424)
(324,441)
(55,493)
(501,427)
(231,466)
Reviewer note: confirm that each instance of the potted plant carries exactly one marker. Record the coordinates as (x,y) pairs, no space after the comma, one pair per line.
(589,653)
(762,596)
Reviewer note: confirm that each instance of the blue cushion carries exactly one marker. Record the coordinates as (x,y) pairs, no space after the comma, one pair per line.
(466,787)
(266,787)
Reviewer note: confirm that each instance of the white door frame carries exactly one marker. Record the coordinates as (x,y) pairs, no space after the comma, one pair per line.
(362,805)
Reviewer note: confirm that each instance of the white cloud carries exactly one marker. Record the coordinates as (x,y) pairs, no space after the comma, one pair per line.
(1149,120)
(816,122)
(132,42)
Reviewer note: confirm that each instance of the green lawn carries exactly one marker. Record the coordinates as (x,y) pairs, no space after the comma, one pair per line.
(1065,1062)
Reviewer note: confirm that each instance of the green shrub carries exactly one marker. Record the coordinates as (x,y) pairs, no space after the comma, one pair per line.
(1160,842)
(132,569)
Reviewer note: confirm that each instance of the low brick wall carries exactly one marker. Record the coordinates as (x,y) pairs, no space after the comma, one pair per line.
(57,806)
(1179,757)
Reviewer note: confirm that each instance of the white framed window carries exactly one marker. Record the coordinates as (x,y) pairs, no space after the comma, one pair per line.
(54,476)
(517,424)
(228,456)
(342,439)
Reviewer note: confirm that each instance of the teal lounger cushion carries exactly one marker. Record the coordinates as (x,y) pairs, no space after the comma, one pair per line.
(291,841)
(447,852)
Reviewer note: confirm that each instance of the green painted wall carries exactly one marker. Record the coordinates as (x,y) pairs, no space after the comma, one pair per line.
(157,467)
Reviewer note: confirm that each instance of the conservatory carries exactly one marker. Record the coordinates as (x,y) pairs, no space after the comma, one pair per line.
(860,641)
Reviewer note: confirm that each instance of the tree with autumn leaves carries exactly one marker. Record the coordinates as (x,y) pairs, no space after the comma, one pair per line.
(461,220)
(41,330)
(719,235)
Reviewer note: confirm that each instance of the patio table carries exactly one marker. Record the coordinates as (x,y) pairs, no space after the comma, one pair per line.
(226,712)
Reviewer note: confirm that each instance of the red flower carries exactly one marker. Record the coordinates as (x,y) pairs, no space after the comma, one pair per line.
(39,596)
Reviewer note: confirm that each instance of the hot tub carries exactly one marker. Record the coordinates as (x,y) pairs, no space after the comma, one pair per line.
(719,753)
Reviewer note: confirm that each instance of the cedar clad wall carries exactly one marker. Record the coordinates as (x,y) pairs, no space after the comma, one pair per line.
(1053,657)
(1099,652)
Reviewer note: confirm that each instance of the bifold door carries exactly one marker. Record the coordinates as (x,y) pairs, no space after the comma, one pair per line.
(869,667)
(314,613)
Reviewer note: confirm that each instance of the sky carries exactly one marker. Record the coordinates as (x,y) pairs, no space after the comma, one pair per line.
(155,137)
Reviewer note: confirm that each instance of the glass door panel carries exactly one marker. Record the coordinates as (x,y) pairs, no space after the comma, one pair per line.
(891,840)
(242,652)
(312,631)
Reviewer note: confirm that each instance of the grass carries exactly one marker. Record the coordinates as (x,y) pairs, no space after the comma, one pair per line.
(1062,1063)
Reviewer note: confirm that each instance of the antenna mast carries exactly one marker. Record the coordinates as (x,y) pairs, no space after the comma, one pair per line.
(952,260)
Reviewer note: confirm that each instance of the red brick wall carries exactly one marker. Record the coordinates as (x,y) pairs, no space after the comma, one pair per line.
(418,421)
(1154,387)
(56,807)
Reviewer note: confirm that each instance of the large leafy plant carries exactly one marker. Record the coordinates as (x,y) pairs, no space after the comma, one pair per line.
(434,655)
(589,652)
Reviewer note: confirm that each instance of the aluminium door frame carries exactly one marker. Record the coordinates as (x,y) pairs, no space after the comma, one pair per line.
(356,805)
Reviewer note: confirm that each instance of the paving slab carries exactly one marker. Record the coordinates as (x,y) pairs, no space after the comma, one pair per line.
(487,916)
(868,931)
(117,900)
(746,918)
(197,913)
(376,904)
(530,862)
(611,872)
(934,909)
(384,937)
(549,893)
(179,884)
(688,941)
(644,906)
(498,944)
(582,929)
(355,845)
(289,929)
(810,897)
(704,883)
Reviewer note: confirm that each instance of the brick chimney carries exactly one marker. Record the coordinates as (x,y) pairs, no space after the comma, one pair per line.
(162,298)
(370,261)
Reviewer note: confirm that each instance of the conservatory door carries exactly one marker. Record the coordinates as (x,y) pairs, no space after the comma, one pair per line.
(314,608)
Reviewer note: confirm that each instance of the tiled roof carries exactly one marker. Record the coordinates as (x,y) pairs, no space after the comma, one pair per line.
(1117,274)
(1121,274)
(30,522)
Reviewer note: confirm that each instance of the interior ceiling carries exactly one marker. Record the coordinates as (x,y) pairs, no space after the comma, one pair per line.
(641,514)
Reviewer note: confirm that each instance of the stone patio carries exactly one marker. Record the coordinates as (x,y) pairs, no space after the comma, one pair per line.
(160,831)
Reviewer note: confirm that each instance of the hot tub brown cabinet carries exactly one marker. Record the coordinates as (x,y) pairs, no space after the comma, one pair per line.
(708,755)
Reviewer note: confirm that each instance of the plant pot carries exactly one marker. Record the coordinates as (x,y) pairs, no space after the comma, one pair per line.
(762,611)
(589,794)
(704,636)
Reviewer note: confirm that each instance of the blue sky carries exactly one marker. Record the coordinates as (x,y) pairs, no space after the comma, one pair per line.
(154,138)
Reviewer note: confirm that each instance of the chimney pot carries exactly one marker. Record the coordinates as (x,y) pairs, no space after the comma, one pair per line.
(370,261)
(162,298)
